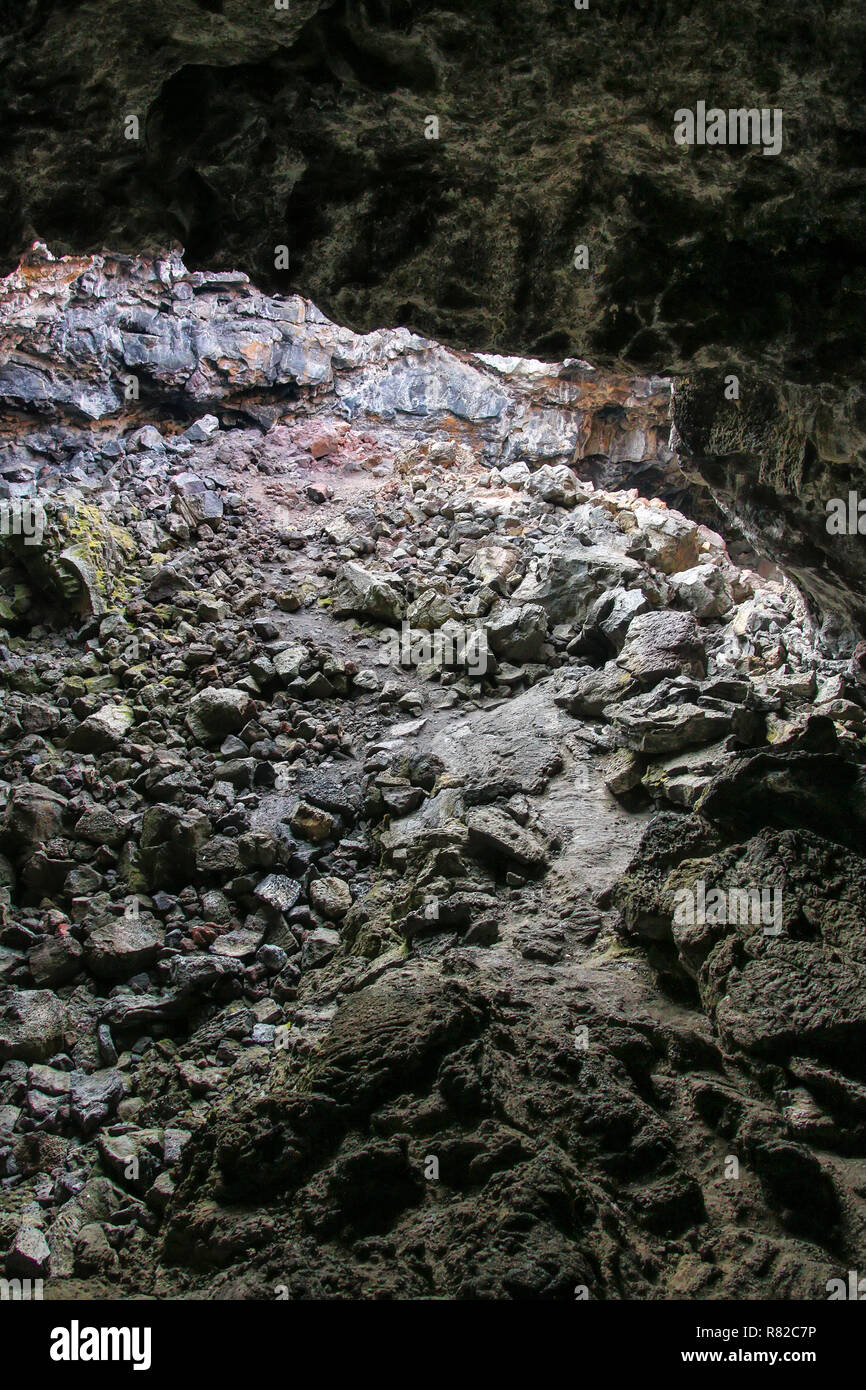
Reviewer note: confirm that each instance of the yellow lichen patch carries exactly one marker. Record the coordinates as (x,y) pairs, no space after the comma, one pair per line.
(104,548)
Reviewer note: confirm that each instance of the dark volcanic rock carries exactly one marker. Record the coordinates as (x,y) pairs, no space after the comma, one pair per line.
(433,1106)
(315,136)
(32,1024)
(330,957)
(701,261)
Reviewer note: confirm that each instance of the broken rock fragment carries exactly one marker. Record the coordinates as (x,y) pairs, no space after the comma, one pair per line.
(660,644)
(214,713)
(33,1024)
(493,833)
(360,592)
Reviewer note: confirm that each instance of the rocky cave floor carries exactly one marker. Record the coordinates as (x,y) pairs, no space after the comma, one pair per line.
(326,974)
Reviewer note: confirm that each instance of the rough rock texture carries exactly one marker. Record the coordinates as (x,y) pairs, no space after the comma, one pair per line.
(306,128)
(347,959)
(776,458)
(75,332)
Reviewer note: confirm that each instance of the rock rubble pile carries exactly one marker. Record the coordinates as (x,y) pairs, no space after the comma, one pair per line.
(344,960)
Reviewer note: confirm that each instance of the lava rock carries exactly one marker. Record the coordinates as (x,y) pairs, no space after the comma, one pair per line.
(33,1024)
(216,712)
(332,897)
(360,592)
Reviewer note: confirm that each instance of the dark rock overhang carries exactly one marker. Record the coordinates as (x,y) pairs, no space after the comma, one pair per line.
(307,128)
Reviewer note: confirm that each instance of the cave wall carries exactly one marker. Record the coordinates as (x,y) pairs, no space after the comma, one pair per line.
(306,128)
(775,458)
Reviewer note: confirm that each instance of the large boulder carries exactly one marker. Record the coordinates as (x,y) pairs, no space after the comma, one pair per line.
(570,579)
(556,484)
(493,562)
(216,712)
(102,732)
(611,615)
(786,997)
(33,814)
(55,961)
(493,834)
(360,592)
(671,542)
(194,502)
(667,730)
(77,555)
(663,644)
(118,947)
(33,1025)
(430,610)
(94,1099)
(682,778)
(704,590)
(518,633)
(788,786)
(587,693)
(169,845)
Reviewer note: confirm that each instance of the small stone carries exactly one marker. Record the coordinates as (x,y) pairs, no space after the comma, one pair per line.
(313,824)
(289,601)
(29,1255)
(279,892)
(204,429)
(319,947)
(93,1254)
(263,1034)
(622,771)
(238,945)
(288,662)
(107,1050)
(331,897)
(161,1193)
(100,827)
